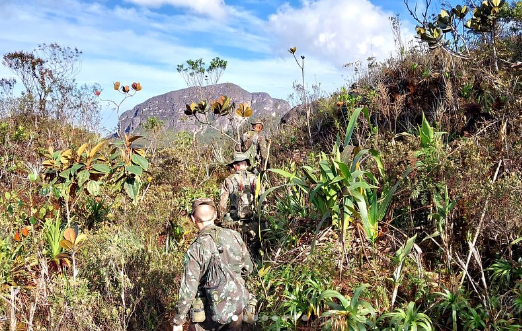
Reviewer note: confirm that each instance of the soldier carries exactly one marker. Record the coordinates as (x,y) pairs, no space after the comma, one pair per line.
(239,189)
(197,259)
(253,144)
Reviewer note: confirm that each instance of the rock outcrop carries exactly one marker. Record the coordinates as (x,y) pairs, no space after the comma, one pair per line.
(170,108)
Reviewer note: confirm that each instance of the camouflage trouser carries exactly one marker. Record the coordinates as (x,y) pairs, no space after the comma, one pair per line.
(249,229)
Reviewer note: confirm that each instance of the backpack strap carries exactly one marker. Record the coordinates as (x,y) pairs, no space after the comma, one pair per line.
(214,233)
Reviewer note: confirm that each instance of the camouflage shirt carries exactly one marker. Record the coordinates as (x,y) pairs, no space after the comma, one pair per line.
(256,141)
(240,189)
(197,259)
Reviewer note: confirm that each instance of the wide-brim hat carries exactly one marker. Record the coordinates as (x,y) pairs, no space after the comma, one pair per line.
(202,201)
(238,157)
(257,122)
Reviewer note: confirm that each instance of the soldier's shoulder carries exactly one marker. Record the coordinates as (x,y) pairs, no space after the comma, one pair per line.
(200,243)
(230,233)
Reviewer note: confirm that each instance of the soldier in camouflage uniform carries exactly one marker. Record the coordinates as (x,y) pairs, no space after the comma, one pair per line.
(254,145)
(239,191)
(197,259)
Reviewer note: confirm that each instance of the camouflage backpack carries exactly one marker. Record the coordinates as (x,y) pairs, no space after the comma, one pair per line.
(243,196)
(225,290)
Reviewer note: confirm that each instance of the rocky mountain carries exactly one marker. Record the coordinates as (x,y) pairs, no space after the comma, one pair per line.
(170,108)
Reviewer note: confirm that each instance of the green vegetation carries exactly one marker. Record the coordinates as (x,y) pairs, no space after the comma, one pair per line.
(395,204)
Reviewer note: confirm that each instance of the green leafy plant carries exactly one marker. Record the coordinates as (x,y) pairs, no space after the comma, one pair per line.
(351,314)
(505,271)
(467,91)
(303,298)
(206,113)
(333,186)
(74,173)
(431,146)
(474,318)
(455,303)
(400,258)
(53,235)
(129,164)
(409,319)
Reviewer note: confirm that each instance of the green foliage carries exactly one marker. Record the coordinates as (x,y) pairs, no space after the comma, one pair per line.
(409,319)
(53,234)
(153,124)
(504,271)
(475,318)
(129,164)
(303,298)
(88,171)
(292,292)
(334,186)
(350,314)
(400,258)
(454,303)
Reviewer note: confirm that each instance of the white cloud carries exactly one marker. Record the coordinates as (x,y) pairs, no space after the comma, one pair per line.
(339,31)
(212,8)
(143,44)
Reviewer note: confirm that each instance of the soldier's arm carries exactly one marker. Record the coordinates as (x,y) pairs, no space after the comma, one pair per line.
(247,266)
(223,202)
(189,286)
(263,150)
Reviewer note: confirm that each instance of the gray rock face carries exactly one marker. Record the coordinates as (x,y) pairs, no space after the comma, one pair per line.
(170,108)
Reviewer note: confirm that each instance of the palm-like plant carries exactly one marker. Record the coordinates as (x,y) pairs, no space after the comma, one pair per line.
(475,318)
(452,302)
(409,319)
(350,314)
(53,234)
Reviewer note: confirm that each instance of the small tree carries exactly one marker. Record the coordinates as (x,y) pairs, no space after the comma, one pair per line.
(195,73)
(484,22)
(47,74)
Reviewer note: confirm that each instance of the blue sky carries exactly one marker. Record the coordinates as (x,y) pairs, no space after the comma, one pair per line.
(145,40)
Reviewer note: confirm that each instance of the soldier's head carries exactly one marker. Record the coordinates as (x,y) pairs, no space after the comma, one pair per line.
(203,212)
(240,162)
(257,125)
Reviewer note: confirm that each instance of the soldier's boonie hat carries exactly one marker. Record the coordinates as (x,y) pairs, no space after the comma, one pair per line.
(238,157)
(202,201)
(257,122)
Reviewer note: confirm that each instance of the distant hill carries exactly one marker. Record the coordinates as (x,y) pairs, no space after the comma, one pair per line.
(169,107)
